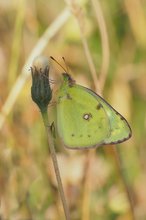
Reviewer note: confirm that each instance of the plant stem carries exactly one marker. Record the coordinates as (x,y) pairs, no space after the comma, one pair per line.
(120,164)
(55,163)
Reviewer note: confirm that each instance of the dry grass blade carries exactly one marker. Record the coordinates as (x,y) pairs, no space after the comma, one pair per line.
(79,15)
(104,42)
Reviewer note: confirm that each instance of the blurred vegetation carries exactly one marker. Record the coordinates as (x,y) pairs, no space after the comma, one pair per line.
(28,188)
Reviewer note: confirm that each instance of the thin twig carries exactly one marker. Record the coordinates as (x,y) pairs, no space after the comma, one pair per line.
(104,42)
(87,185)
(25,73)
(55,164)
(124,178)
(91,64)
(79,16)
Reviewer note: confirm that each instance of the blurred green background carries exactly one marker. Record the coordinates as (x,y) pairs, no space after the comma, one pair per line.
(115,185)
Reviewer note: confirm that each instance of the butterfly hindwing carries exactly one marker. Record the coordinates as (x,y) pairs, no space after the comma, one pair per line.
(120,129)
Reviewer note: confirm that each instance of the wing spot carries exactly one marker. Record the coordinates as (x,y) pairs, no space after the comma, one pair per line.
(89,135)
(87,116)
(99,106)
(72,135)
(122,118)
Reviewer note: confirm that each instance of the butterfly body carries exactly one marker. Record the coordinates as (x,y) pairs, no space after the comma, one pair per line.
(85,120)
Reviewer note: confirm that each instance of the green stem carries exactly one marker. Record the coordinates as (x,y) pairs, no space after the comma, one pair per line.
(55,162)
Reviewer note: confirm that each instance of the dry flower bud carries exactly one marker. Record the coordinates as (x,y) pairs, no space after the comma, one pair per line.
(40,91)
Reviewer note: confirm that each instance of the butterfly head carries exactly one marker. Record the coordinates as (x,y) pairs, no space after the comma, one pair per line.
(68,79)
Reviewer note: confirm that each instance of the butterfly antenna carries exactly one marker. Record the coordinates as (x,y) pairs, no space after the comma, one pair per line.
(59,64)
(67,70)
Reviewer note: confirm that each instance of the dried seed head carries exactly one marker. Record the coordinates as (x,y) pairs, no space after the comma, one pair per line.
(40,63)
(41,92)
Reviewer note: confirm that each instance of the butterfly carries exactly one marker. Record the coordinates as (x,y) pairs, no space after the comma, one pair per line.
(85,119)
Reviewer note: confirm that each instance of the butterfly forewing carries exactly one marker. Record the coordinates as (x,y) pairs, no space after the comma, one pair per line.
(81,119)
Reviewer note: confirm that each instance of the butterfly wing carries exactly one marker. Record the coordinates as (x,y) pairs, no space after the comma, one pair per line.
(81,119)
(120,129)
